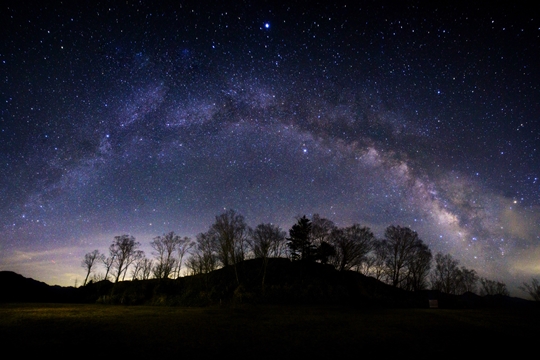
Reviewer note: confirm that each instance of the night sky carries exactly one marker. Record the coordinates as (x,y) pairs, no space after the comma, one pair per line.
(135,118)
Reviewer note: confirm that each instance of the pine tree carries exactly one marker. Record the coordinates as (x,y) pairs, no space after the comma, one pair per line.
(300,242)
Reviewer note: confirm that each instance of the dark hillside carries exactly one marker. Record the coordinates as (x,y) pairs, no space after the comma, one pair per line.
(286,282)
(17,288)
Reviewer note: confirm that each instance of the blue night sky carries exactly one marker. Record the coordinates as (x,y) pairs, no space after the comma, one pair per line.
(142,118)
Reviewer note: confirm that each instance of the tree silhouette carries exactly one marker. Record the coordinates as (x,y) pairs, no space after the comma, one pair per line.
(89,261)
(352,244)
(136,269)
(400,259)
(134,258)
(266,241)
(445,274)
(324,252)
(469,279)
(492,287)
(164,250)
(229,233)
(374,262)
(321,230)
(533,289)
(182,249)
(451,279)
(418,269)
(400,248)
(122,251)
(299,240)
(203,259)
(146,268)
(108,262)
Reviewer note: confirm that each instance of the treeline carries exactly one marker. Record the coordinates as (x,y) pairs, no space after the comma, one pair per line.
(400,259)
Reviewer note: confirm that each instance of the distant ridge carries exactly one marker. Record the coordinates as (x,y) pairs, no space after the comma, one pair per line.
(16,288)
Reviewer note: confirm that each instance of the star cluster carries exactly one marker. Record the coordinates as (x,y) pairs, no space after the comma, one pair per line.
(140,118)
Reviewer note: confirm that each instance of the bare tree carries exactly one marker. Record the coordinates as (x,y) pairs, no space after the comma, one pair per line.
(230,233)
(266,241)
(122,250)
(165,248)
(400,247)
(146,268)
(448,277)
(352,245)
(445,275)
(108,262)
(89,261)
(203,258)
(321,230)
(136,268)
(468,280)
(96,277)
(195,264)
(137,272)
(183,248)
(418,269)
(281,248)
(374,263)
(532,288)
(137,254)
(492,287)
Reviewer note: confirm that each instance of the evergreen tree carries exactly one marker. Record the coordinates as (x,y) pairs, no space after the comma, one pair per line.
(300,242)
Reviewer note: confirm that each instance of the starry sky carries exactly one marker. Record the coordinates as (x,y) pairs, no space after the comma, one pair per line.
(142,118)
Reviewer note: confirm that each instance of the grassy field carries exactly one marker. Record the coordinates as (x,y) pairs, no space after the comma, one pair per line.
(263,331)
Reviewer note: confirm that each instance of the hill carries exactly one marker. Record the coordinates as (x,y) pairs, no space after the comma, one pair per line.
(16,288)
(286,282)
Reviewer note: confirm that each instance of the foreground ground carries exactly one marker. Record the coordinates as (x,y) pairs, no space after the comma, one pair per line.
(263,331)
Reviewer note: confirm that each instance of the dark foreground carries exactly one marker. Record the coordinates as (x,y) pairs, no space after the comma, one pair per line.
(101,331)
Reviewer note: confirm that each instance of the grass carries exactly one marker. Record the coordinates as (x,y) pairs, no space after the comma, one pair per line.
(263,331)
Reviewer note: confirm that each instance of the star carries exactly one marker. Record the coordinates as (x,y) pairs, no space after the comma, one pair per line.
(370,115)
